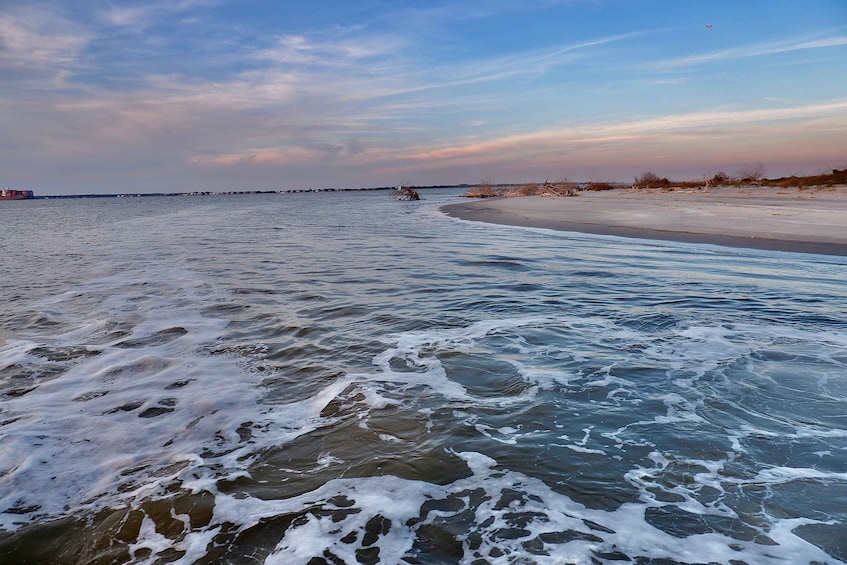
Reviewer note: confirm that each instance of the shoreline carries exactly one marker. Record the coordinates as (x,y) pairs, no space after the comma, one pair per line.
(800,221)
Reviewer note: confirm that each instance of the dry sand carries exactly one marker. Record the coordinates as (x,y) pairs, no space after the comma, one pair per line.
(811,221)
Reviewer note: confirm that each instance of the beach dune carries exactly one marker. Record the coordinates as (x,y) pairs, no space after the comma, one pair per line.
(811,220)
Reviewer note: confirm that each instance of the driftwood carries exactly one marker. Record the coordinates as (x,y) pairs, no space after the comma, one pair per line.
(407,193)
(557,189)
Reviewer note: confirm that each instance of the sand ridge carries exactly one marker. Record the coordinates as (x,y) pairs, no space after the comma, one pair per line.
(810,220)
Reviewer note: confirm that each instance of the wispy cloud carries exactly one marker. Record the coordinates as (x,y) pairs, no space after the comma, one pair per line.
(771,48)
(534,62)
(128,16)
(632,131)
(144,82)
(302,50)
(290,156)
(141,15)
(648,138)
(438,13)
(359,66)
(35,39)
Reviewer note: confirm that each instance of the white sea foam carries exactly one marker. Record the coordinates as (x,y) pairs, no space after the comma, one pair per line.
(386,513)
(130,415)
(79,442)
(713,348)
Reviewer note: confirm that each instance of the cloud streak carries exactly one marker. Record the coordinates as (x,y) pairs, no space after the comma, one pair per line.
(761,50)
(633,131)
(142,15)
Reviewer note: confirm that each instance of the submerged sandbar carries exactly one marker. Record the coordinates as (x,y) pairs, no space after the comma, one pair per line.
(809,221)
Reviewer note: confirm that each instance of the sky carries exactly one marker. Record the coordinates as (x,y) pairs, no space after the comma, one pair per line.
(112,96)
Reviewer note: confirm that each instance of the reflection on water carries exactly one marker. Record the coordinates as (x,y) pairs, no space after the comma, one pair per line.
(343,378)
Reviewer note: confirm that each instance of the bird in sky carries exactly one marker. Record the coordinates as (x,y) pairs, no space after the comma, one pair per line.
(709,26)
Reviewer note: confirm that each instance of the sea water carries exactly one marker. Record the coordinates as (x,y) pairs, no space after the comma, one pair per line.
(345,378)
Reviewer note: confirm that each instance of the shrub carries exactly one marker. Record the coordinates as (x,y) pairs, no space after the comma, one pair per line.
(832,178)
(598,186)
(720,179)
(528,189)
(752,173)
(483,190)
(650,180)
(838,176)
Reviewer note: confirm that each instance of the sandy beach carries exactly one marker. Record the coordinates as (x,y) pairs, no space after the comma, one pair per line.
(809,221)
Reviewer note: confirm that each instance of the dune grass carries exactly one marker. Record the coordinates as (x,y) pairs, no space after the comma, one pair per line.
(748,175)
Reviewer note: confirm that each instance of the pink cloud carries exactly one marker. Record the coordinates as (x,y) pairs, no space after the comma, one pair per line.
(776,128)
(262,157)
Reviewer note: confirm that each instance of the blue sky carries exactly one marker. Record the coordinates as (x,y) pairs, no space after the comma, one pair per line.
(179,95)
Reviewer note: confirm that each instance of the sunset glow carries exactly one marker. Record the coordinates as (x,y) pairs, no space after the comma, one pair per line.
(210,94)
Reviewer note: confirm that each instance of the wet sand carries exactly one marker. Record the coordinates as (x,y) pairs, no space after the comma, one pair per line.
(808,221)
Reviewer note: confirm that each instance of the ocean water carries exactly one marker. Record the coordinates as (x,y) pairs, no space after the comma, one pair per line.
(344,378)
